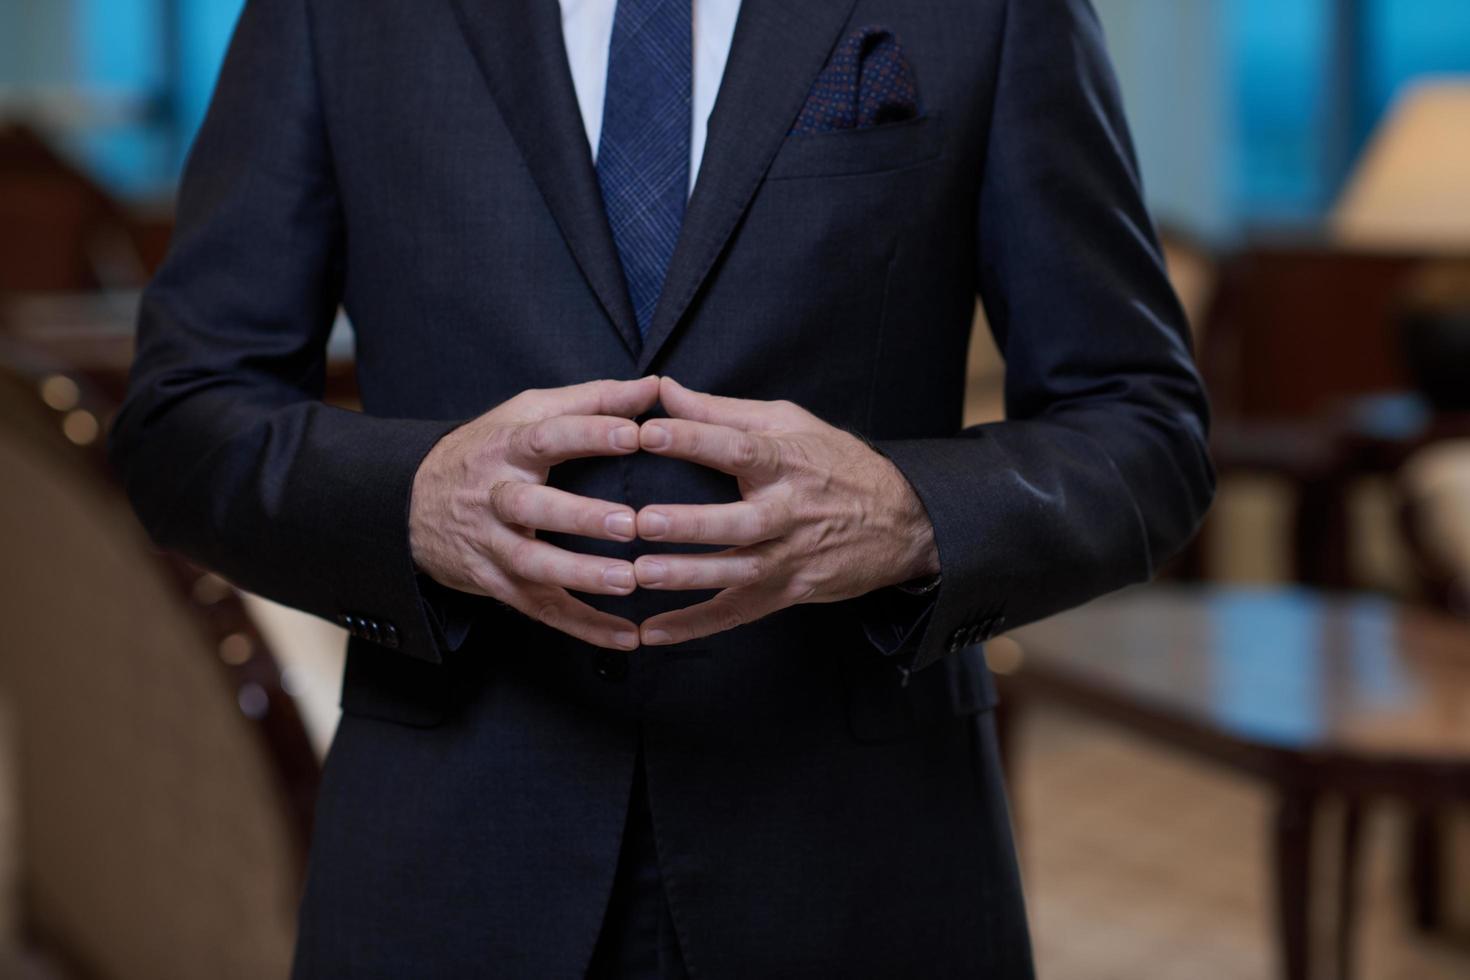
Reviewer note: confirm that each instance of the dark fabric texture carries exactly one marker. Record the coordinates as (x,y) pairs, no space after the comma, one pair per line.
(867,82)
(638,939)
(819,809)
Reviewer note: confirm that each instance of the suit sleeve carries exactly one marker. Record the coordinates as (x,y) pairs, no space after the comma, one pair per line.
(223,444)
(1100,471)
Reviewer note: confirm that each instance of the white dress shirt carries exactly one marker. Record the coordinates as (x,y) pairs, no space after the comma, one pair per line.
(586,27)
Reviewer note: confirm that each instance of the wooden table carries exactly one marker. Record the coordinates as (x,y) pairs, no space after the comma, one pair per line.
(1322,697)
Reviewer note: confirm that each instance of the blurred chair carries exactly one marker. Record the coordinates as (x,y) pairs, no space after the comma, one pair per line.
(164,782)
(59,230)
(1292,338)
(1434,488)
(1433,480)
(1295,330)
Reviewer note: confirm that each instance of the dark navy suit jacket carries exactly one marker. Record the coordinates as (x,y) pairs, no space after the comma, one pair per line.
(820,805)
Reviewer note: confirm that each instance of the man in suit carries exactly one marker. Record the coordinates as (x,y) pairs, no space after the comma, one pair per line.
(666,560)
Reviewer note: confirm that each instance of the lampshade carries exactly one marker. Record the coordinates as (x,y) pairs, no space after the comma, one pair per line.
(1411,188)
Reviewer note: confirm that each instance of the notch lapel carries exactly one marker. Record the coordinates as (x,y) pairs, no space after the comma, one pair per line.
(519,47)
(778,50)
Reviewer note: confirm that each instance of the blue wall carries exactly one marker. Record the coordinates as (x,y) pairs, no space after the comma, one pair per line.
(1279,52)
(1234,112)
(204,30)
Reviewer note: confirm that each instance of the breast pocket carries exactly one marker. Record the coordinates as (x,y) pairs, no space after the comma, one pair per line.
(852,152)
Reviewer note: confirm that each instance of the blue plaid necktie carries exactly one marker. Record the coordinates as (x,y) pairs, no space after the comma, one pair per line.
(643,156)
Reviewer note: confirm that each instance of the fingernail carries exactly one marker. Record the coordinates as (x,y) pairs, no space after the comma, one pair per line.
(656,436)
(657,638)
(653,524)
(619,577)
(620,525)
(625,437)
(626,640)
(652,572)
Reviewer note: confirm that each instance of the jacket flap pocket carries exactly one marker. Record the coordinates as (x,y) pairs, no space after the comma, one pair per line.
(848,152)
(382,684)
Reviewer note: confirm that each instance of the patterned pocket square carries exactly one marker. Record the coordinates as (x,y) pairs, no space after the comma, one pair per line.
(867,82)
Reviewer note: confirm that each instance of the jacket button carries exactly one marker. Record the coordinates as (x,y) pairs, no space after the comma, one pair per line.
(390,636)
(611,667)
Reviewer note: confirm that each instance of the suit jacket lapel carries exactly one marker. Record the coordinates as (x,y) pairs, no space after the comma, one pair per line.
(519,47)
(779,48)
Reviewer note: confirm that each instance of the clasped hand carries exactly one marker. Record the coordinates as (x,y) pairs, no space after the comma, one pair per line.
(822,516)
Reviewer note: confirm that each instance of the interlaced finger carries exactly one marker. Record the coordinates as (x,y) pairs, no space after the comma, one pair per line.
(604,397)
(733,451)
(723,612)
(543,444)
(555,608)
(543,508)
(538,561)
(720,570)
(739,413)
(744,522)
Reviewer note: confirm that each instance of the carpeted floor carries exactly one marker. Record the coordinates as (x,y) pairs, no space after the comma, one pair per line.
(1144,864)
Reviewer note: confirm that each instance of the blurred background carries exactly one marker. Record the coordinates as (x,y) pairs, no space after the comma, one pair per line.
(1259,767)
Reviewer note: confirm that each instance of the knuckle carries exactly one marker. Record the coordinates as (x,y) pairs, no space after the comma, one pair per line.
(800,590)
(497,499)
(755,570)
(539,439)
(547,612)
(792,455)
(528,404)
(515,440)
(746,451)
(520,558)
(509,408)
(728,615)
(484,579)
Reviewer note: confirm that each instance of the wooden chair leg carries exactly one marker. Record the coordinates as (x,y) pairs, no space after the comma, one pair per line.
(1320,535)
(1347,887)
(1295,819)
(1426,854)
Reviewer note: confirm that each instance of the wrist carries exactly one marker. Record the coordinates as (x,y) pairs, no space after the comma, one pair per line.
(923,558)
